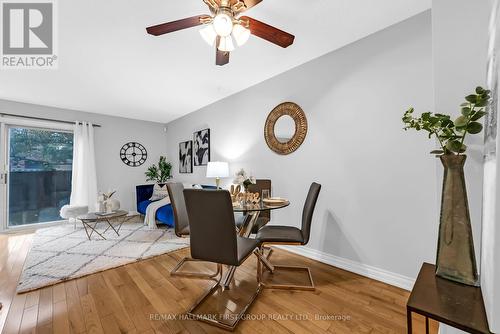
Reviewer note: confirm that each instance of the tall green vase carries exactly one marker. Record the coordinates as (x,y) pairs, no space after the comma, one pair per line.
(456,259)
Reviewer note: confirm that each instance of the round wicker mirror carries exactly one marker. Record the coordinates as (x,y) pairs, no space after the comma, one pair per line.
(286,145)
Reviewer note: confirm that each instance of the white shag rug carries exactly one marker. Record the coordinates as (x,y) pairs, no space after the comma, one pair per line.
(62,253)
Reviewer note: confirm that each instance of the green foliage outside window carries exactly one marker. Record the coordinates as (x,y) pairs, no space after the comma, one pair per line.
(36,149)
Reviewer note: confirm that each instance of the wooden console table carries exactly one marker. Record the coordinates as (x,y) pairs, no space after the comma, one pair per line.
(457,305)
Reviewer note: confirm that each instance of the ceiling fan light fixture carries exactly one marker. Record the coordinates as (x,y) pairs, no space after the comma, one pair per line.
(223,24)
(209,35)
(240,34)
(226,44)
(226,28)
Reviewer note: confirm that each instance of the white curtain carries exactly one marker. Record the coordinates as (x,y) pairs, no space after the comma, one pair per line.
(84,179)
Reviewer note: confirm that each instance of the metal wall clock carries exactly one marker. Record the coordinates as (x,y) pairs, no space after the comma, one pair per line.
(133,154)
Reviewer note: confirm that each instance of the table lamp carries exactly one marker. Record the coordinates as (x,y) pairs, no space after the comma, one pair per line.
(217,170)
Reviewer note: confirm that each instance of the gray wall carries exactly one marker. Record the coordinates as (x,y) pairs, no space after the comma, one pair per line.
(112,173)
(460,59)
(460,64)
(378,206)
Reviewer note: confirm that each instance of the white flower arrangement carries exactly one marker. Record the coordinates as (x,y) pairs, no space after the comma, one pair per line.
(241,178)
(107,195)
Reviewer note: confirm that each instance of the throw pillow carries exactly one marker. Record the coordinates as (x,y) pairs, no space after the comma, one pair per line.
(159,192)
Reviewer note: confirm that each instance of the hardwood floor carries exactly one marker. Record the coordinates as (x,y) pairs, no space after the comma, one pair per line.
(143,298)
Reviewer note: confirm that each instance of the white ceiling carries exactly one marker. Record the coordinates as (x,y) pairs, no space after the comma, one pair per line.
(109,65)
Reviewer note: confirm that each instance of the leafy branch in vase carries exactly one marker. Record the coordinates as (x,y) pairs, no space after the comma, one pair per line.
(451,134)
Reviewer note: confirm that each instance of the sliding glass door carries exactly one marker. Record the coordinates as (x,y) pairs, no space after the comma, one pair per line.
(37,176)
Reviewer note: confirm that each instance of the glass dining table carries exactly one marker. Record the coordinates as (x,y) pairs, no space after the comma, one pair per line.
(251,212)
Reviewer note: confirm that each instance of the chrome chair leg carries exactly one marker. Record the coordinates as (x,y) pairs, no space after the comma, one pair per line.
(210,319)
(176,273)
(262,259)
(269,251)
(228,278)
(263,262)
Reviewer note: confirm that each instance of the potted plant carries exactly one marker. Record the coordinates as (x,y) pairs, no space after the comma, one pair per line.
(455,258)
(161,173)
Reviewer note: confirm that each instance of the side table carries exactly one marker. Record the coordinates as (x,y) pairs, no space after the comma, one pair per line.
(457,305)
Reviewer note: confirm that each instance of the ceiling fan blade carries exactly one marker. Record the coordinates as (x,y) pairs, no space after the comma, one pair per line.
(269,33)
(166,28)
(221,58)
(250,3)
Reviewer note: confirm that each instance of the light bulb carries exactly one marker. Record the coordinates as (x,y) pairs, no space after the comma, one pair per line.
(223,24)
(240,34)
(209,35)
(226,44)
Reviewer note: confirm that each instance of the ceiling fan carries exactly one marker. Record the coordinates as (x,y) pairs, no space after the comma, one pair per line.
(225,26)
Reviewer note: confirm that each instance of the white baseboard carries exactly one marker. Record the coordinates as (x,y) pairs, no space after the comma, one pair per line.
(378,274)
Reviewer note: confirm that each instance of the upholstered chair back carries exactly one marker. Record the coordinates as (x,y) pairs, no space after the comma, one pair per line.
(308,211)
(212,226)
(181,220)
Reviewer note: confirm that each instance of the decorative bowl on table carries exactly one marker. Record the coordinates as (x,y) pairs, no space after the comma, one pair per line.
(274,201)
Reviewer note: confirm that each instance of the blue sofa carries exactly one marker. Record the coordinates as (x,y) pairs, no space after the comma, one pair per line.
(165,214)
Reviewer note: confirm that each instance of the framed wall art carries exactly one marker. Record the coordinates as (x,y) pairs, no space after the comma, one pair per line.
(201,147)
(186,157)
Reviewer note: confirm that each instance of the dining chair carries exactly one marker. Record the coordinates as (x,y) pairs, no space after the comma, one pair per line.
(181,228)
(214,239)
(288,235)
